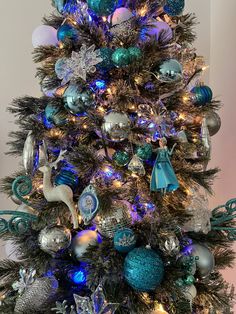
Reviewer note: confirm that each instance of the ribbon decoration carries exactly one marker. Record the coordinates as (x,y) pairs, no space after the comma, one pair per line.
(222,216)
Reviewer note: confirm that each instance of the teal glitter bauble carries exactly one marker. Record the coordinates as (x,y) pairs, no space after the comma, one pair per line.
(55,115)
(124,240)
(68,177)
(174,7)
(202,95)
(144,152)
(66,32)
(135,53)
(102,7)
(170,71)
(77,100)
(143,269)
(121,57)
(106,55)
(121,158)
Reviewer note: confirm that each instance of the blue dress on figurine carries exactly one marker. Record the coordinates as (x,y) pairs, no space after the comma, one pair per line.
(163,176)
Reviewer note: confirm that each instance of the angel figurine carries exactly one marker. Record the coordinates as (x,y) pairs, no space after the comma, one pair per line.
(163,176)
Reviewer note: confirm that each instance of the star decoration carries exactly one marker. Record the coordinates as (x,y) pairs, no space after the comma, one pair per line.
(26,279)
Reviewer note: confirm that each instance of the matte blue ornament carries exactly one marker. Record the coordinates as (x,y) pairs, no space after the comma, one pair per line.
(67,177)
(143,269)
(174,7)
(124,240)
(77,100)
(106,55)
(121,158)
(135,53)
(88,204)
(144,152)
(102,7)
(170,71)
(202,95)
(54,114)
(66,32)
(121,57)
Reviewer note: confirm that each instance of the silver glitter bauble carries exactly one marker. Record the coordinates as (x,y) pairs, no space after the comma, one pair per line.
(54,239)
(189,292)
(170,245)
(213,122)
(116,126)
(36,296)
(118,218)
(82,241)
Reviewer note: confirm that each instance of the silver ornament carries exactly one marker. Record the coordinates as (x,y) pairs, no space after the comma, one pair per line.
(189,293)
(213,122)
(30,153)
(136,166)
(54,239)
(82,241)
(205,135)
(37,295)
(170,246)
(16,200)
(118,218)
(170,71)
(116,126)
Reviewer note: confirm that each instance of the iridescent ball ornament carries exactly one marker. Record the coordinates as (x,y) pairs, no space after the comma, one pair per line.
(121,158)
(55,115)
(202,95)
(174,7)
(77,99)
(69,177)
(67,32)
(116,126)
(54,239)
(121,57)
(124,240)
(143,269)
(102,7)
(120,16)
(82,241)
(106,55)
(44,35)
(170,71)
(159,31)
(213,122)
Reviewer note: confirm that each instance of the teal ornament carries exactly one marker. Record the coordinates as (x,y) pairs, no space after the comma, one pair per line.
(66,32)
(189,280)
(135,53)
(67,177)
(121,57)
(77,100)
(106,55)
(55,115)
(121,158)
(144,152)
(170,71)
(102,7)
(88,204)
(143,269)
(21,187)
(59,5)
(124,240)
(174,7)
(202,95)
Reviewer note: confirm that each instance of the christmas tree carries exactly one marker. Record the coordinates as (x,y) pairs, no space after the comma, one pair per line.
(112,192)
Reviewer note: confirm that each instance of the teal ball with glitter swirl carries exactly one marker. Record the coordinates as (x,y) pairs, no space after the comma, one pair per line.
(106,55)
(135,53)
(124,240)
(121,158)
(67,177)
(144,152)
(143,269)
(55,115)
(121,57)
(67,32)
(202,95)
(174,7)
(102,7)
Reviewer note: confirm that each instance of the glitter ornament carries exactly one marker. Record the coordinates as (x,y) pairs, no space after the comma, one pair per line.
(174,7)
(56,115)
(144,152)
(135,53)
(121,158)
(44,35)
(67,32)
(54,240)
(69,177)
(124,240)
(106,55)
(160,31)
(102,7)
(143,269)
(170,71)
(136,166)
(202,95)
(82,240)
(213,122)
(119,218)
(121,57)
(116,126)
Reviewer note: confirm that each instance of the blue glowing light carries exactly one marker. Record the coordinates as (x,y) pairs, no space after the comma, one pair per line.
(100,84)
(77,275)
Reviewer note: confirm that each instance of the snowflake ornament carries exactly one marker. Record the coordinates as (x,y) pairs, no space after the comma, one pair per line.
(127,240)
(26,279)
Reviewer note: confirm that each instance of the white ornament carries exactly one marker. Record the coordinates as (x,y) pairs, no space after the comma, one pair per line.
(44,35)
(120,15)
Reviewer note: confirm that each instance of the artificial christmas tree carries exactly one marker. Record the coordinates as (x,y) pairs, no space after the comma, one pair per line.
(113,214)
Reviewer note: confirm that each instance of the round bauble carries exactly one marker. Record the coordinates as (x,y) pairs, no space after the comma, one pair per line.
(55,115)
(170,71)
(144,152)
(69,177)
(118,218)
(174,7)
(106,55)
(205,260)
(77,100)
(44,35)
(202,95)
(143,269)
(189,292)
(66,32)
(124,240)
(54,240)
(135,53)
(82,241)
(120,16)
(160,31)
(116,126)
(213,122)
(121,57)
(121,158)
(102,7)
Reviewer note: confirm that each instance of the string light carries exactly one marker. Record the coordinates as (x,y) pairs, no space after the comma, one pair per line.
(143,11)
(104,19)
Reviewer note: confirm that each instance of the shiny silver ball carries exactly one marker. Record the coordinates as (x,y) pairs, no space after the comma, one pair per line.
(116,126)
(213,122)
(189,292)
(54,239)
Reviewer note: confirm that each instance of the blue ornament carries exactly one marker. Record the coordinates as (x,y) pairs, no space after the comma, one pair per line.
(124,240)
(121,57)
(135,53)
(106,55)
(143,269)
(102,7)
(144,152)
(66,32)
(67,176)
(77,99)
(54,114)
(202,95)
(174,7)
(88,204)
(170,71)
(59,5)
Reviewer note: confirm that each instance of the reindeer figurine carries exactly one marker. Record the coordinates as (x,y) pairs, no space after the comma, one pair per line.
(62,193)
